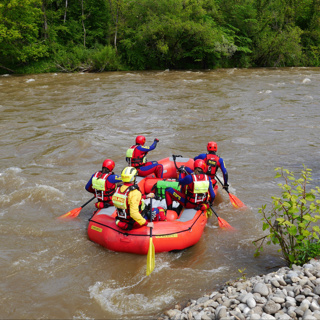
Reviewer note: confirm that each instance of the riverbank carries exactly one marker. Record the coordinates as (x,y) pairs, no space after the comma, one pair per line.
(289,293)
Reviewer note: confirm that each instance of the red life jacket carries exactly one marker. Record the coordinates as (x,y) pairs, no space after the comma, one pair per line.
(121,197)
(104,195)
(138,157)
(192,193)
(212,161)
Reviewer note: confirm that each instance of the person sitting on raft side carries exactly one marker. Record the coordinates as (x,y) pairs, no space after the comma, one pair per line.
(197,189)
(214,162)
(136,157)
(129,203)
(103,184)
(157,214)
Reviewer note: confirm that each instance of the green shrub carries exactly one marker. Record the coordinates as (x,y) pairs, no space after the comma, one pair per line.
(78,58)
(105,59)
(292,220)
(75,59)
(307,252)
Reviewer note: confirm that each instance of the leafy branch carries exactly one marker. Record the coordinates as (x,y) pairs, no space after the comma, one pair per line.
(292,220)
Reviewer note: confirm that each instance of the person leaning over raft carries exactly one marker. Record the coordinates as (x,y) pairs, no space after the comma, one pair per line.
(103,184)
(197,188)
(136,157)
(214,162)
(128,201)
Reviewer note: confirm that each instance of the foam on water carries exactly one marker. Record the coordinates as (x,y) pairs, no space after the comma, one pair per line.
(117,300)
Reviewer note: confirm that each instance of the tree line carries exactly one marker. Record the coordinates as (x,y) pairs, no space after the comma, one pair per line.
(102,35)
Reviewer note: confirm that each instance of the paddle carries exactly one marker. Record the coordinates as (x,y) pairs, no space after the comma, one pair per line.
(237,203)
(75,212)
(174,160)
(222,223)
(151,252)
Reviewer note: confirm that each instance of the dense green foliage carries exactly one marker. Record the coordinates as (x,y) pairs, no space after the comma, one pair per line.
(293,221)
(98,35)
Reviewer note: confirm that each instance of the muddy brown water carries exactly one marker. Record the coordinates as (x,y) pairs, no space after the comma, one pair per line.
(56,130)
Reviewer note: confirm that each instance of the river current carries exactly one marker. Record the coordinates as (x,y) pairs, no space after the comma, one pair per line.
(56,130)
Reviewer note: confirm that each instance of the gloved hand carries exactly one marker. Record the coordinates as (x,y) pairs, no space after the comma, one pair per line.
(181,169)
(156,140)
(226,187)
(99,205)
(204,207)
(153,214)
(150,195)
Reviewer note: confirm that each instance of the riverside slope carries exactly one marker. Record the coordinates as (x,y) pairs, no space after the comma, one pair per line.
(285,294)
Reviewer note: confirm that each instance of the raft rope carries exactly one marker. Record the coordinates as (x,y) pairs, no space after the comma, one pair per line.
(144,235)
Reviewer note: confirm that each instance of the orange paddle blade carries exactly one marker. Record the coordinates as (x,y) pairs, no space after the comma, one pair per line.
(71,214)
(236,202)
(223,224)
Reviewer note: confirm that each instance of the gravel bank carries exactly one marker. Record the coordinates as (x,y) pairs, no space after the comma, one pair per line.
(285,294)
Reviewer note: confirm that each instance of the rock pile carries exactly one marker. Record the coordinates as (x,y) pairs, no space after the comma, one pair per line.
(285,294)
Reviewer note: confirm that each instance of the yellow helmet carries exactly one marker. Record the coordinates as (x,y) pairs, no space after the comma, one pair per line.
(128,174)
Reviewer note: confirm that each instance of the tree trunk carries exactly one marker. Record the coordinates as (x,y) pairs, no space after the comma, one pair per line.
(115,12)
(116,34)
(82,20)
(65,12)
(45,22)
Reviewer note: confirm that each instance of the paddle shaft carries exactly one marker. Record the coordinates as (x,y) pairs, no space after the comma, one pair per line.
(214,211)
(221,183)
(151,251)
(150,214)
(174,160)
(87,202)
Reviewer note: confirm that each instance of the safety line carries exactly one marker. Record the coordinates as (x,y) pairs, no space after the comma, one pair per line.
(144,235)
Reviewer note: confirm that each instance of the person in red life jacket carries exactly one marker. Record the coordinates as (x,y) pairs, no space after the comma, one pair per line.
(103,184)
(197,189)
(129,203)
(158,214)
(136,157)
(214,162)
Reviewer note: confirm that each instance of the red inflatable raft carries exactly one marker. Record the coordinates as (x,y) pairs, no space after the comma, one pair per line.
(173,234)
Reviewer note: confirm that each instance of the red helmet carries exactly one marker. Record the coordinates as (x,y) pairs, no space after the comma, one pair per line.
(109,164)
(212,146)
(141,140)
(201,164)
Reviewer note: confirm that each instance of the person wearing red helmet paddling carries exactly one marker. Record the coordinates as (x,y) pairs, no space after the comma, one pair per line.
(214,162)
(136,157)
(103,184)
(197,188)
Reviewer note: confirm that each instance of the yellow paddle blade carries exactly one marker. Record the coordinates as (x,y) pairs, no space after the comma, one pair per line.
(151,257)
(71,214)
(236,202)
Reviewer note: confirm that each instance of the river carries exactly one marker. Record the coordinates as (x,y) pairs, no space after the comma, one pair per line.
(56,130)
